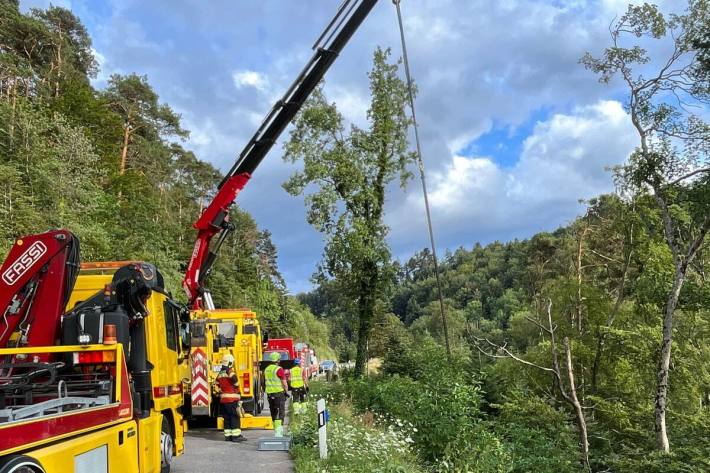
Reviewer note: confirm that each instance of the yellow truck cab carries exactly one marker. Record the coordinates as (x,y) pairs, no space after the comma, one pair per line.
(215,333)
(165,352)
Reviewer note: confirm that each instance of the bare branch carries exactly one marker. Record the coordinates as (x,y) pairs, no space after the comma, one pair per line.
(603,256)
(530,319)
(686,176)
(508,354)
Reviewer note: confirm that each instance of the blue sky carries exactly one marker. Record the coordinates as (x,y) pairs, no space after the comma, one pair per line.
(514,130)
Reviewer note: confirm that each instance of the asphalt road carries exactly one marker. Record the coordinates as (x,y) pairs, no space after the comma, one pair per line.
(206,451)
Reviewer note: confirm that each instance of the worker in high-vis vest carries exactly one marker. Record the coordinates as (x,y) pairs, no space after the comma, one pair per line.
(276,392)
(299,386)
(229,400)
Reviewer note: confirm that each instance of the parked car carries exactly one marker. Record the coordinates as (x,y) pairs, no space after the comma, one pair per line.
(329,368)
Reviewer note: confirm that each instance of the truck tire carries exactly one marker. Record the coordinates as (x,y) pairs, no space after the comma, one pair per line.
(166,445)
(260,402)
(20,464)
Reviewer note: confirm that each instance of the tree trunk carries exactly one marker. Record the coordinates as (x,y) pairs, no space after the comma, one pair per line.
(59,66)
(579,412)
(366,309)
(681,268)
(665,362)
(124,149)
(13,91)
(580,253)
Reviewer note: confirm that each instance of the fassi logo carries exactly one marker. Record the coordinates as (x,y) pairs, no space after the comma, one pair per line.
(24,262)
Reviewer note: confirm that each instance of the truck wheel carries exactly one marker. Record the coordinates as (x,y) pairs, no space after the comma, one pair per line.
(166,446)
(20,464)
(260,402)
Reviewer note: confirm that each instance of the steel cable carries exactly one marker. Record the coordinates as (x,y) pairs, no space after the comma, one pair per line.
(420,163)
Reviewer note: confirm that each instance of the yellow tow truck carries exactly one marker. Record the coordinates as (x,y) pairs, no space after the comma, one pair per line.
(103,392)
(215,333)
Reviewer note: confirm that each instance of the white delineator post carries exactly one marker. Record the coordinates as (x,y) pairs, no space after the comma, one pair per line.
(322,436)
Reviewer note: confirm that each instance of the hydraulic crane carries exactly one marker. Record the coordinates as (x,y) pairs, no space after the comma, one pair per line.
(215,333)
(214,221)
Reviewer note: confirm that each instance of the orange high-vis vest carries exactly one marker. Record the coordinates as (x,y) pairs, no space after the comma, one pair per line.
(229,386)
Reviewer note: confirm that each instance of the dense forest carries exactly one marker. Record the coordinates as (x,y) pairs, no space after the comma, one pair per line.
(109,165)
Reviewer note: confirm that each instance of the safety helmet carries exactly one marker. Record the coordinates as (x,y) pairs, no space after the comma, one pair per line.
(297,361)
(274,356)
(227,360)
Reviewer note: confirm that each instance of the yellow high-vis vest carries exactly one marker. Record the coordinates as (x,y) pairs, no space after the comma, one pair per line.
(273,382)
(296,377)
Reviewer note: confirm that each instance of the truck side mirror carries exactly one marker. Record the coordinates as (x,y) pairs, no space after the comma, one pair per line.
(264,336)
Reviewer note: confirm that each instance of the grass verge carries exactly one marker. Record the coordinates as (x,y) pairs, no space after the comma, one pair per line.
(357,443)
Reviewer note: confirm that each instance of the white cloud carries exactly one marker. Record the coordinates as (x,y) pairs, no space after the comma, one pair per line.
(350,103)
(250,79)
(562,161)
(566,156)
(464,180)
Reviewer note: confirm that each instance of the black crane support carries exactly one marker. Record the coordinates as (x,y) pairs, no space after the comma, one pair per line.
(330,43)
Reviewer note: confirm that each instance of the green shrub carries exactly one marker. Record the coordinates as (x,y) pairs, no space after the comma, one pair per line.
(538,437)
(441,402)
(688,454)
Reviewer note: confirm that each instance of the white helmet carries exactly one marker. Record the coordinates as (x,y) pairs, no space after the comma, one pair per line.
(227,360)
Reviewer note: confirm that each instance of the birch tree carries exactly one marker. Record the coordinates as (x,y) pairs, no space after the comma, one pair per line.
(666,100)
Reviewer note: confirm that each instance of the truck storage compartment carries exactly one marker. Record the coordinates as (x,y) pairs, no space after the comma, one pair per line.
(91,321)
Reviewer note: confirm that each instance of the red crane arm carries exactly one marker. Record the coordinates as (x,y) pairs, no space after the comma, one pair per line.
(215,219)
(36,280)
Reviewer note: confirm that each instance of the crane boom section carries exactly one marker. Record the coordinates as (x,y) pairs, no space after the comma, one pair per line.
(35,282)
(215,218)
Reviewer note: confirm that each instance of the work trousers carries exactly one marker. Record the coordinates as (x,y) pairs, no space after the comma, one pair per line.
(299,394)
(277,405)
(232,423)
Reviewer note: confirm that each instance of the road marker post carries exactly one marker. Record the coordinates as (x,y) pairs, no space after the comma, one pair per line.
(323,417)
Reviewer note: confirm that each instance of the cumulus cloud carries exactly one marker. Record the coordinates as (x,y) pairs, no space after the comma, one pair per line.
(563,160)
(567,156)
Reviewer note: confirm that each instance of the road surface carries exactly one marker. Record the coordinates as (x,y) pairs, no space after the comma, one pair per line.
(206,451)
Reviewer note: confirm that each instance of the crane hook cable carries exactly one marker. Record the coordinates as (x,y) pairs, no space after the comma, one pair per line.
(420,163)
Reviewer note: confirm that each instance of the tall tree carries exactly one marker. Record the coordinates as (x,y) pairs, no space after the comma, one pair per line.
(267,260)
(671,161)
(143,115)
(71,46)
(351,172)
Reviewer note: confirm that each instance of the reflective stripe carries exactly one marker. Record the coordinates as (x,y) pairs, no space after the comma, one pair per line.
(296,377)
(273,382)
